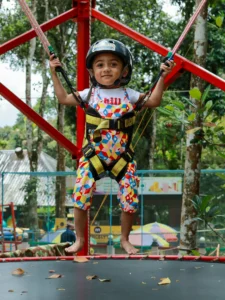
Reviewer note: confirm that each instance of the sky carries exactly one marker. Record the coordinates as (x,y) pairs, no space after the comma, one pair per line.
(15,80)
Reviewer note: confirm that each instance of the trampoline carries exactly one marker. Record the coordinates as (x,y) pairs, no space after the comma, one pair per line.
(133,277)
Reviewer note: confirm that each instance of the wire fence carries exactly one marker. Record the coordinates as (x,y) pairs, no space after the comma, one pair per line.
(160,195)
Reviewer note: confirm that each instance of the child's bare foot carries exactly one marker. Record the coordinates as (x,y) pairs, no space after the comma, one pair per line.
(126,245)
(77,246)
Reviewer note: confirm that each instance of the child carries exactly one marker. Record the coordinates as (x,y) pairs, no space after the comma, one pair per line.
(109,121)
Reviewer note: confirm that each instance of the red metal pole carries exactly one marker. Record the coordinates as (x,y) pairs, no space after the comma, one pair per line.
(187,65)
(14,223)
(38,120)
(83,44)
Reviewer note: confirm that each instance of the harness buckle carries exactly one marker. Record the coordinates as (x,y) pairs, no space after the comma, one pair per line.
(88,150)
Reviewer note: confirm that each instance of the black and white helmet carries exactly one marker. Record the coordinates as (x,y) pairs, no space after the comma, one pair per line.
(115,47)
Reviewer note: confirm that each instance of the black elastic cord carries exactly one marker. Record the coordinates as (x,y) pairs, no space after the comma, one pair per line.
(59,69)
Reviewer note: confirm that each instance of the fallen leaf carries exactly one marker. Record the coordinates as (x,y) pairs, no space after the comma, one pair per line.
(80,259)
(54,276)
(18,272)
(143,282)
(209,124)
(164,281)
(11,291)
(198,268)
(60,289)
(91,277)
(51,271)
(104,280)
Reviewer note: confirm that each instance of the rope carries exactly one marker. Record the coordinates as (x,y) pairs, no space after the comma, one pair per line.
(103,201)
(187,28)
(144,128)
(140,123)
(35,25)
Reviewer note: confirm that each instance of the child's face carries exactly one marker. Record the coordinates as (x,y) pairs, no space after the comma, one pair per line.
(107,68)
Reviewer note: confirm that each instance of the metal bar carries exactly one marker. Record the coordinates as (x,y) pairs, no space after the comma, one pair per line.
(2,216)
(83,44)
(187,65)
(14,223)
(38,120)
(31,33)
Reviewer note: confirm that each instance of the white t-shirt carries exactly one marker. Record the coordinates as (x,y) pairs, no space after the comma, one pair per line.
(117,93)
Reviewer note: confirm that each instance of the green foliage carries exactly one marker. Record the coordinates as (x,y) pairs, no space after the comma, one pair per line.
(206,210)
(211,133)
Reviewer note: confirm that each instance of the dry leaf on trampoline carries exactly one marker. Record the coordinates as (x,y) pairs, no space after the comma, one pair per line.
(54,276)
(18,272)
(91,277)
(80,259)
(105,280)
(164,281)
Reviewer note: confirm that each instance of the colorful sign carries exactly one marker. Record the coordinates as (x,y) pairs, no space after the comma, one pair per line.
(147,186)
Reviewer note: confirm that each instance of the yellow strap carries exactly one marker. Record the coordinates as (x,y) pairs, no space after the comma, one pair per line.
(118,167)
(105,123)
(129,122)
(97,164)
(93,120)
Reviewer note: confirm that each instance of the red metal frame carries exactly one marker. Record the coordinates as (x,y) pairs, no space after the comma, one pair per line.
(220,259)
(80,14)
(2,241)
(185,63)
(83,44)
(37,119)
(25,37)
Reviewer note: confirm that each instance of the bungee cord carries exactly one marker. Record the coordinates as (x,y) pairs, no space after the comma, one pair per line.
(171,54)
(48,48)
(169,57)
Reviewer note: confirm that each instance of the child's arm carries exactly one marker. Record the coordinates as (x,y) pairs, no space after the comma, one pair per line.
(155,98)
(61,94)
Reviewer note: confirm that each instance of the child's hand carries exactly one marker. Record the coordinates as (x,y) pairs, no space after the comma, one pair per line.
(53,63)
(167,67)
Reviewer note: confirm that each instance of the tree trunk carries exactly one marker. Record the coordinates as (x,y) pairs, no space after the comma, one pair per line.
(60,195)
(192,170)
(153,140)
(31,150)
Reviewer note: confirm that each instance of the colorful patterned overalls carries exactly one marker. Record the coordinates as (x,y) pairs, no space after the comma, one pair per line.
(110,147)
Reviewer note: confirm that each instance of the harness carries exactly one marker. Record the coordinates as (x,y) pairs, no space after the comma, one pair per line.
(94,124)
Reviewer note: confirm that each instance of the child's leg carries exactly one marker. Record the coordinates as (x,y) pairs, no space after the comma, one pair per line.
(83,190)
(128,197)
(126,225)
(80,217)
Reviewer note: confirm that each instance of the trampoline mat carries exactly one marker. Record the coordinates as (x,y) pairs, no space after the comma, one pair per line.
(130,279)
